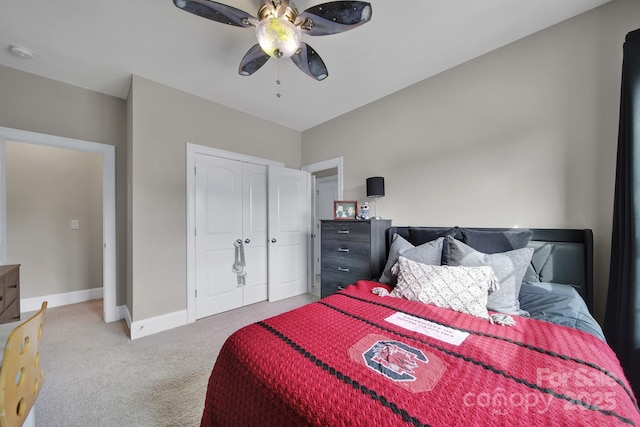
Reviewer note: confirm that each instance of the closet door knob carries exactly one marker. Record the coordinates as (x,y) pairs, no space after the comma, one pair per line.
(274,240)
(247,241)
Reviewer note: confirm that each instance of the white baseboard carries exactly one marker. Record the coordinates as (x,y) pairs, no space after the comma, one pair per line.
(122,312)
(138,329)
(56,300)
(153,325)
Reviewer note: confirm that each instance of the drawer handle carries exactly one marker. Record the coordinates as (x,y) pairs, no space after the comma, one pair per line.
(340,288)
(1,297)
(15,285)
(343,269)
(343,231)
(343,249)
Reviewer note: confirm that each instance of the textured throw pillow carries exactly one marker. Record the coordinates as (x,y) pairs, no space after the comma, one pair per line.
(491,242)
(427,253)
(420,235)
(463,289)
(509,268)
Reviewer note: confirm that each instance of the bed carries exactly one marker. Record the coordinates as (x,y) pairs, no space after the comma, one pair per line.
(369,356)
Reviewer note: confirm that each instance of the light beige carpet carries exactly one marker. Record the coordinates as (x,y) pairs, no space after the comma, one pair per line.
(96,376)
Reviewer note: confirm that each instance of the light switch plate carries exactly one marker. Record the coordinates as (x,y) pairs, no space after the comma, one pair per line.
(75,224)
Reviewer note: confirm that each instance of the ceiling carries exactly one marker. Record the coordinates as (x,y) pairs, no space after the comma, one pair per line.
(99,45)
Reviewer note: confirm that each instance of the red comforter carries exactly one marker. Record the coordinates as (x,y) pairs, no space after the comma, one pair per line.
(343,361)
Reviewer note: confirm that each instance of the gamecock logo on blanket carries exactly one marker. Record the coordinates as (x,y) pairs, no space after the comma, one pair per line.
(394,359)
(405,365)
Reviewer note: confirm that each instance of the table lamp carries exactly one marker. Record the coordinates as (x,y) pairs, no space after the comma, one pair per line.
(375,189)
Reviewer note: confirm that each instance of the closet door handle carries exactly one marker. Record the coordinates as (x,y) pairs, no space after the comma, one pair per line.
(274,240)
(247,241)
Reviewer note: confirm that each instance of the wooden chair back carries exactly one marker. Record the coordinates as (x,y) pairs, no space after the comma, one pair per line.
(21,375)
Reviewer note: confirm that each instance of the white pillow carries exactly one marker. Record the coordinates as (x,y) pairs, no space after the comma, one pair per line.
(463,289)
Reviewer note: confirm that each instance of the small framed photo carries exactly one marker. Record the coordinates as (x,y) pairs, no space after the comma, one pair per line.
(345,209)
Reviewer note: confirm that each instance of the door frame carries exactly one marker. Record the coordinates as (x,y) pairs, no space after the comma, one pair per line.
(315,218)
(108,203)
(192,150)
(337,163)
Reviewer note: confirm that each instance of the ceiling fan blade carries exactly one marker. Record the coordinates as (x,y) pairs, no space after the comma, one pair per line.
(217,12)
(252,61)
(334,17)
(308,60)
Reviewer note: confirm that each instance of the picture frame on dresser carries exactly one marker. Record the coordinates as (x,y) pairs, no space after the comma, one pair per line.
(345,209)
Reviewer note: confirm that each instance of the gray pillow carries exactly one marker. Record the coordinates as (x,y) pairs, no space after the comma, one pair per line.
(510,268)
(428,253)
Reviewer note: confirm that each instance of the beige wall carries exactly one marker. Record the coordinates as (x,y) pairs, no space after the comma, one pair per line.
(47,188)
(523,136)
(164,120)
(37,104)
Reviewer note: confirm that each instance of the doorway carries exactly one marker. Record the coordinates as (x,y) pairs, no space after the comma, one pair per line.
(108,203)
(327,183)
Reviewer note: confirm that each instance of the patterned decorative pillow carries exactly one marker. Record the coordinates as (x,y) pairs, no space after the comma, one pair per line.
(427,253)
(463,289)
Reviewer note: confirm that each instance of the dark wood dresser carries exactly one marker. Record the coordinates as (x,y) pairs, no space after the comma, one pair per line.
(351,251)
(9,293)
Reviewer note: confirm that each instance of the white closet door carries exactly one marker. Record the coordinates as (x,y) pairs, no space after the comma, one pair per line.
(289,231)
(255,232)
(219,215)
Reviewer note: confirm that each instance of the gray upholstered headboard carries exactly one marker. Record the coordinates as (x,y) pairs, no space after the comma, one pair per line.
(560,255)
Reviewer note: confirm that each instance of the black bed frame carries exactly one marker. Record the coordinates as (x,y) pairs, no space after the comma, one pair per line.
(560,255)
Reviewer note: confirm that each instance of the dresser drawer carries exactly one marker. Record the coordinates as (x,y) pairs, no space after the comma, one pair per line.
(336,278)
(2,300)
(9,293)
(346,230)
(344,252)
(11,286)
(11,313)
(345,273)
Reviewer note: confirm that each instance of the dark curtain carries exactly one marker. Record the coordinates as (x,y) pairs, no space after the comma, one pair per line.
(622,318)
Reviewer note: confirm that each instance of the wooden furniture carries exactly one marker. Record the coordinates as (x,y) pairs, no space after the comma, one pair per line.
(351,251)
(21,374)
(9,293)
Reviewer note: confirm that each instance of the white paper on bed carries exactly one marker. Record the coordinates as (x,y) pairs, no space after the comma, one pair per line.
(425,327)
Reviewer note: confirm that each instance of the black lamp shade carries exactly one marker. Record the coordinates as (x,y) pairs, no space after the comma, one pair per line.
(375,186)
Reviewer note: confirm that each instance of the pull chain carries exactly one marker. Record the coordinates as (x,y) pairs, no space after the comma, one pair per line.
(278,81)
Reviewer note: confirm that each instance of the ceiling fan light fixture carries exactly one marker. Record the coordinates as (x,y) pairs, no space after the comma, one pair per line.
(278,37)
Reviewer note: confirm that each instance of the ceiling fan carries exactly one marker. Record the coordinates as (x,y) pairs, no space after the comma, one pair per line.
(279,26)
